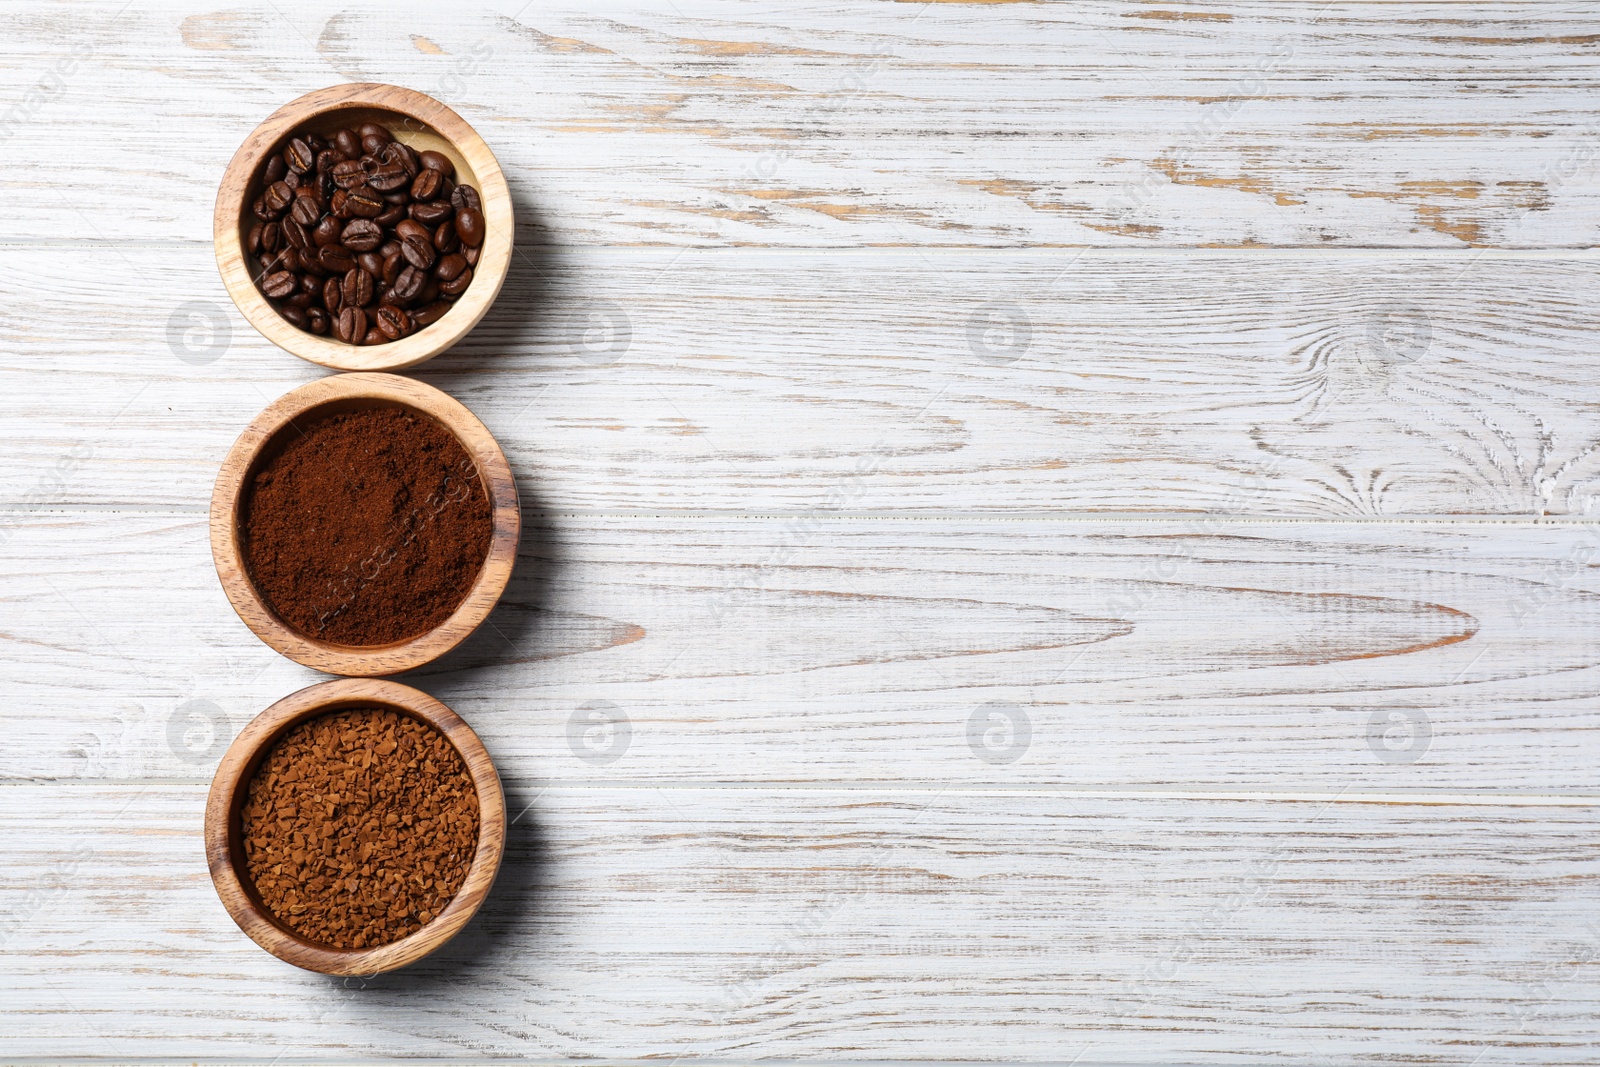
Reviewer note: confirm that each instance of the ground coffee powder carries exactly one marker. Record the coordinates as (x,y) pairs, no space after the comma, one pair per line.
(359,826)
(369,527)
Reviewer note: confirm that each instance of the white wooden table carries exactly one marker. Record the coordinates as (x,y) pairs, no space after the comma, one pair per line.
(1058,533)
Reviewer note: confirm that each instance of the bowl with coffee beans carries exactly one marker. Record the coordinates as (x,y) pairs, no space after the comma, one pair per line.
(364,227)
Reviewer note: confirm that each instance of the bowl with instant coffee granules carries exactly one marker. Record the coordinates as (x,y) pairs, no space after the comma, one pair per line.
(354,827)
(364,524)
(363,227)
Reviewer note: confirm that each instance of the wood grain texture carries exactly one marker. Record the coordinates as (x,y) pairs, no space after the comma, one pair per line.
(224,850)
(1168,656)
(725,122)
(348,392)
(1056,532)
(1295,384)
(939,924)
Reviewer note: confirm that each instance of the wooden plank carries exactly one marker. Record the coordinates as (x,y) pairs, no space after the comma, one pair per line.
(1170,656)
(716,122)
(1314,385)
(707,924)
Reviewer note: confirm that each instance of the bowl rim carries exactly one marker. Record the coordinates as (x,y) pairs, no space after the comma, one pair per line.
(488,276)
(232,777)
(227,500)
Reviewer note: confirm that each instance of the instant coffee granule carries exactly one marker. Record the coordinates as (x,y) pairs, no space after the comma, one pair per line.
(369,527)
(359,826)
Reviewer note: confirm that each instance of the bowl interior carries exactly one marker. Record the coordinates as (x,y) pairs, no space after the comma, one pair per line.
(274,446)
(241,791)
(410,131)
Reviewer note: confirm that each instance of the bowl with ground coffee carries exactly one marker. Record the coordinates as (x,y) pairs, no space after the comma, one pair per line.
(363,227)
(364,524)
(354,827)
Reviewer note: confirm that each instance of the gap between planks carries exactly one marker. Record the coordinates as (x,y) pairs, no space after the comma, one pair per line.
(539,787)
(607,1061)
(1065,518)
(644,248)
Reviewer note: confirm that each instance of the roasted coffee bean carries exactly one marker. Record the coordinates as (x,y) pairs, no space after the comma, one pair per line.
(328,232)
(392,215)
(438,161)
(277,198)
(336,259)
(389,247)
(374,336)
(349,174)
(465,196)
(430,292)
(278,284)
(357,288)
(428,184)
(363,203)
(406,156)
(307,211)
(351,325)
(419,252)
(348,143)
(450,267)
(301,300)
(372,143)
(311,283)
(458,285)
(407,228)
(469,227)
(432,313)
(300,156)
(372,129)
(294,234)
(289,259)
(252,243)
(333,294)
(445,240)
(339,204)
(327,159)
(432,213)
(408,284)
(388,177)
(370,262)
(361,235)
(392,266)
(294,316)
(271,237)
(317,320)
(472,256)
(399,196)
(393,321)
(274,170)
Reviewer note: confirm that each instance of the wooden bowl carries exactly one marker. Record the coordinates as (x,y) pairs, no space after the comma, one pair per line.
(261,441)
(224,849)
(421,122)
